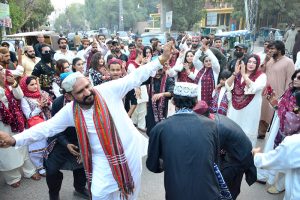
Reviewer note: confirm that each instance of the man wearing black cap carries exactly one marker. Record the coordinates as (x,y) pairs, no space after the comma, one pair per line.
(240,54)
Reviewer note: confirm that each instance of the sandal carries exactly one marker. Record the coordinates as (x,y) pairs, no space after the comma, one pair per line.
(16,185)
(273,190)
(36,177)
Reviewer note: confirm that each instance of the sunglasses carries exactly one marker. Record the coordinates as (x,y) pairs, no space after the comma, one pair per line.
(46,52)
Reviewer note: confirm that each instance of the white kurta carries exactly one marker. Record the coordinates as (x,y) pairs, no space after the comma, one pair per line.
(135,144)
(248,117)
(286,157)
(36,149)
(11,158)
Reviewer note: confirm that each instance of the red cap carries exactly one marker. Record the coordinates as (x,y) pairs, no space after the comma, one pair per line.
(201,107)
(114,60)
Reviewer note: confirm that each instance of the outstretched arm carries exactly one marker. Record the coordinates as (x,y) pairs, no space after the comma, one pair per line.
(122,86)
(51,127)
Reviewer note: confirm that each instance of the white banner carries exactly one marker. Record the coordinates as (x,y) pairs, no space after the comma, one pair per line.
(169,19)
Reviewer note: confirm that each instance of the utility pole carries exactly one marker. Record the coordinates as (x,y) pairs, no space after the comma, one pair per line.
(162,16)
(121,19)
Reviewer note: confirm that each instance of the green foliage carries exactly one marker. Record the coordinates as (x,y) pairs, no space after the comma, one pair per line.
(186,13)
(271,13)
(29,14)
(72,20)
(105,13)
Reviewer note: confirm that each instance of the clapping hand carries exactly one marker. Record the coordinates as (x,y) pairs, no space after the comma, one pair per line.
(237,67)
(243,68)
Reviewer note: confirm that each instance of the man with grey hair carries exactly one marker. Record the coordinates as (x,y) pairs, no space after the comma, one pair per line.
(29,60)
(111,147)
(38,46)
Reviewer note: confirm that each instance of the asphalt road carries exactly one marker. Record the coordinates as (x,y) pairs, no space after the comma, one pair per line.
(152,188)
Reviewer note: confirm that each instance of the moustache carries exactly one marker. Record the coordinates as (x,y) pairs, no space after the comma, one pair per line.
(85,98)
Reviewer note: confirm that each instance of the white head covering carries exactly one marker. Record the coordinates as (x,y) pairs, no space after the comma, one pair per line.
(186,89)
(70,80)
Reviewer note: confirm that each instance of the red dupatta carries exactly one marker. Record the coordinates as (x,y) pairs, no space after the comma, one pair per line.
(239,99)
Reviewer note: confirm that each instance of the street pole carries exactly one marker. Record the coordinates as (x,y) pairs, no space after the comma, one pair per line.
(121,19)
(162,16)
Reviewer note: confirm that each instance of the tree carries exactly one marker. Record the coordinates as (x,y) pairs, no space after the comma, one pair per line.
(105,13)
(185,13)
(71,20)
(271,13)
(29,14)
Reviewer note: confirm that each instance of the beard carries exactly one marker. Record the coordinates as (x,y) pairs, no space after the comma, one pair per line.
(195,46)
(275,55)
(64,47)
(87,101)
(30,55)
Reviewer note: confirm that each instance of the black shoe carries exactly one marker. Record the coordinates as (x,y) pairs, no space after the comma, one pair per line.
(261,182)
(261,136)
(54,197)
(82,193)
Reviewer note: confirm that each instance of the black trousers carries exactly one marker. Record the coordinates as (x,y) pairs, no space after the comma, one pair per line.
(56,160)
(233,175)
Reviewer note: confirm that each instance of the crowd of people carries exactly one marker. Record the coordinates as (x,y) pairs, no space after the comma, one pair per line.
(87,110)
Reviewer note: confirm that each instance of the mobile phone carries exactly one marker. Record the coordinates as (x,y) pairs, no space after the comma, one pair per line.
(269,90)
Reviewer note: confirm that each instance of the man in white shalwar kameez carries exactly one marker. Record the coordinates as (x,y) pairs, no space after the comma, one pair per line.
(286,159)
(104,185)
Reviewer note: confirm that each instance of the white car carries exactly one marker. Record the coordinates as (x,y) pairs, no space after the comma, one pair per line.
(123,35)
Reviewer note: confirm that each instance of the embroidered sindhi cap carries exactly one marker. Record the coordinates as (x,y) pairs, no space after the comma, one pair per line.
(70,80)
(186,89)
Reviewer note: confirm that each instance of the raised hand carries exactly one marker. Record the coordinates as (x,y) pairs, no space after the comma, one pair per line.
(168,49)
(243,68)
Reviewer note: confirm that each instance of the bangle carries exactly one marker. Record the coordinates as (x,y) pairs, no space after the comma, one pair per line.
(15,84)
(234,74)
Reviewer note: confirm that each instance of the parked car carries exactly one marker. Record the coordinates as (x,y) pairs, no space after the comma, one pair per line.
(147,36)
(123,35)
(104,31)
(30,38)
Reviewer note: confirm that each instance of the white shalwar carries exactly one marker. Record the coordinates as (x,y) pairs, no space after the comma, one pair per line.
(285,158)
(272,177)
(135,144)
(248,117)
